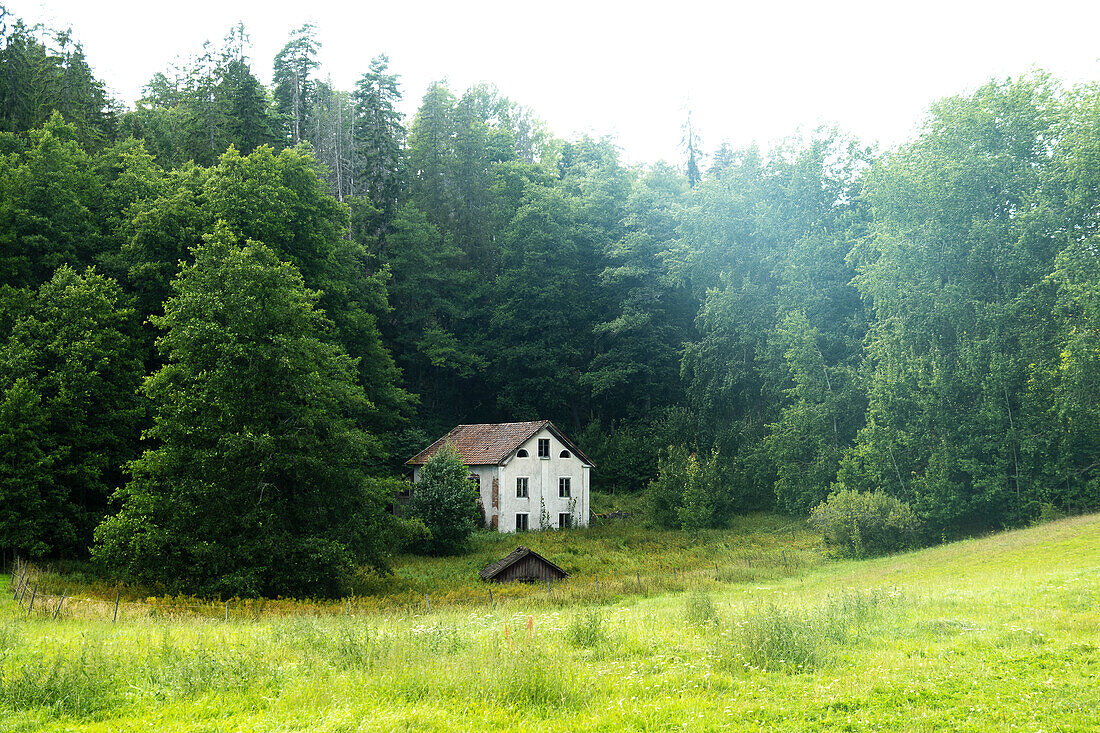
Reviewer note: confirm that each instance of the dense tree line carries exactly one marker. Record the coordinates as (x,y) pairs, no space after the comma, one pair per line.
(773,329)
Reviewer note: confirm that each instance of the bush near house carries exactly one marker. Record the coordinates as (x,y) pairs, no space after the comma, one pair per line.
(446,502)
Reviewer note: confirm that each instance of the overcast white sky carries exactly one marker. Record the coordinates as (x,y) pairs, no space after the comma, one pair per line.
(749,71)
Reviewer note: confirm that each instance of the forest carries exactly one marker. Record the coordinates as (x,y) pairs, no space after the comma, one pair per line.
(230,313)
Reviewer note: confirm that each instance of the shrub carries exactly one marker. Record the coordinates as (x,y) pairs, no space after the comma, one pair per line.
(687,493)
(446,502)
(858,523)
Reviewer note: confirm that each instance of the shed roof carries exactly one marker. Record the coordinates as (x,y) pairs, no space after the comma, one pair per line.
(488,444)
(494,569)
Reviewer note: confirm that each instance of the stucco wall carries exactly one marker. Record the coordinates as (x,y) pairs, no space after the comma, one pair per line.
(543,475)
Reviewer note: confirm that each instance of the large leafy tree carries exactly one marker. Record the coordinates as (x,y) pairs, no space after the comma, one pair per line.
(280,198)
(48,196)
(254,483)
(69,412)
(955,261)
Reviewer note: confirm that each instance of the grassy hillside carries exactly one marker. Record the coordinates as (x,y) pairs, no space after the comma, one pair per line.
(979,635)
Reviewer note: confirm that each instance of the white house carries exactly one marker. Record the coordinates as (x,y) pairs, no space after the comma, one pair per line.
(530,475)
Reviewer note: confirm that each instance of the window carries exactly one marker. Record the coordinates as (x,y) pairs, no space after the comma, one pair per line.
(521,453)
(521,522)
(476,481)
(563,454)
(544,447)
(521,487)
(565,521)
(563,486)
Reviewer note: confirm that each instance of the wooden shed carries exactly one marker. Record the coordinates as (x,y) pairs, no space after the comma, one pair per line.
(523,564)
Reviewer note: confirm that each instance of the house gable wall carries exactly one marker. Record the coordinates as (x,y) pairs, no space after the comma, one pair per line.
(542,484)
(543,475)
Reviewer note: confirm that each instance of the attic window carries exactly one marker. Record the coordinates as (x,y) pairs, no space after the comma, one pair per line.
(563,454)
(521,453)
(544,447)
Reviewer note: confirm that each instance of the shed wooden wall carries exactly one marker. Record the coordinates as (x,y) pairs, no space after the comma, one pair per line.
(529,568)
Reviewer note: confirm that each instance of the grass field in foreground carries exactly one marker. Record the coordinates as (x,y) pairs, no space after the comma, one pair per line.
(985,634)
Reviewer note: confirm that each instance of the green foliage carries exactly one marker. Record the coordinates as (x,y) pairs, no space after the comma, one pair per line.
(861,524)
(45,71)
(688,493)
(253,484)
(955,265)
(69,415)
(48,192)
(446,502)
(626,458)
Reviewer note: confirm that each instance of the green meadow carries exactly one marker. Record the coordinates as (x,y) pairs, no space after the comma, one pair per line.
(995,633)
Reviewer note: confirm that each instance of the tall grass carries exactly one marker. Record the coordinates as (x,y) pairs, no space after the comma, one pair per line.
(791,638)
(983,635)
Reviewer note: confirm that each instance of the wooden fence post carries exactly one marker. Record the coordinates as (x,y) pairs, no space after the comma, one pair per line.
(21,587)
(597,585)
(716,570)
(114,618)
(33,594)
(491,605)
(58,609)
(23,592)
(429,602)
(227,611)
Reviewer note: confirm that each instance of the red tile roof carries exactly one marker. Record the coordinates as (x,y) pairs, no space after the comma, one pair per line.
(489,444)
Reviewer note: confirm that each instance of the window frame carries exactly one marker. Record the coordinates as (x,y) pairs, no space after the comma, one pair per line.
(523,482)
(544,448)
(565,487)
(525,522)
(565,520)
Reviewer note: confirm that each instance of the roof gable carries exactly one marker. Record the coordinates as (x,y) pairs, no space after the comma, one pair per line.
(490,444)
(494,569)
